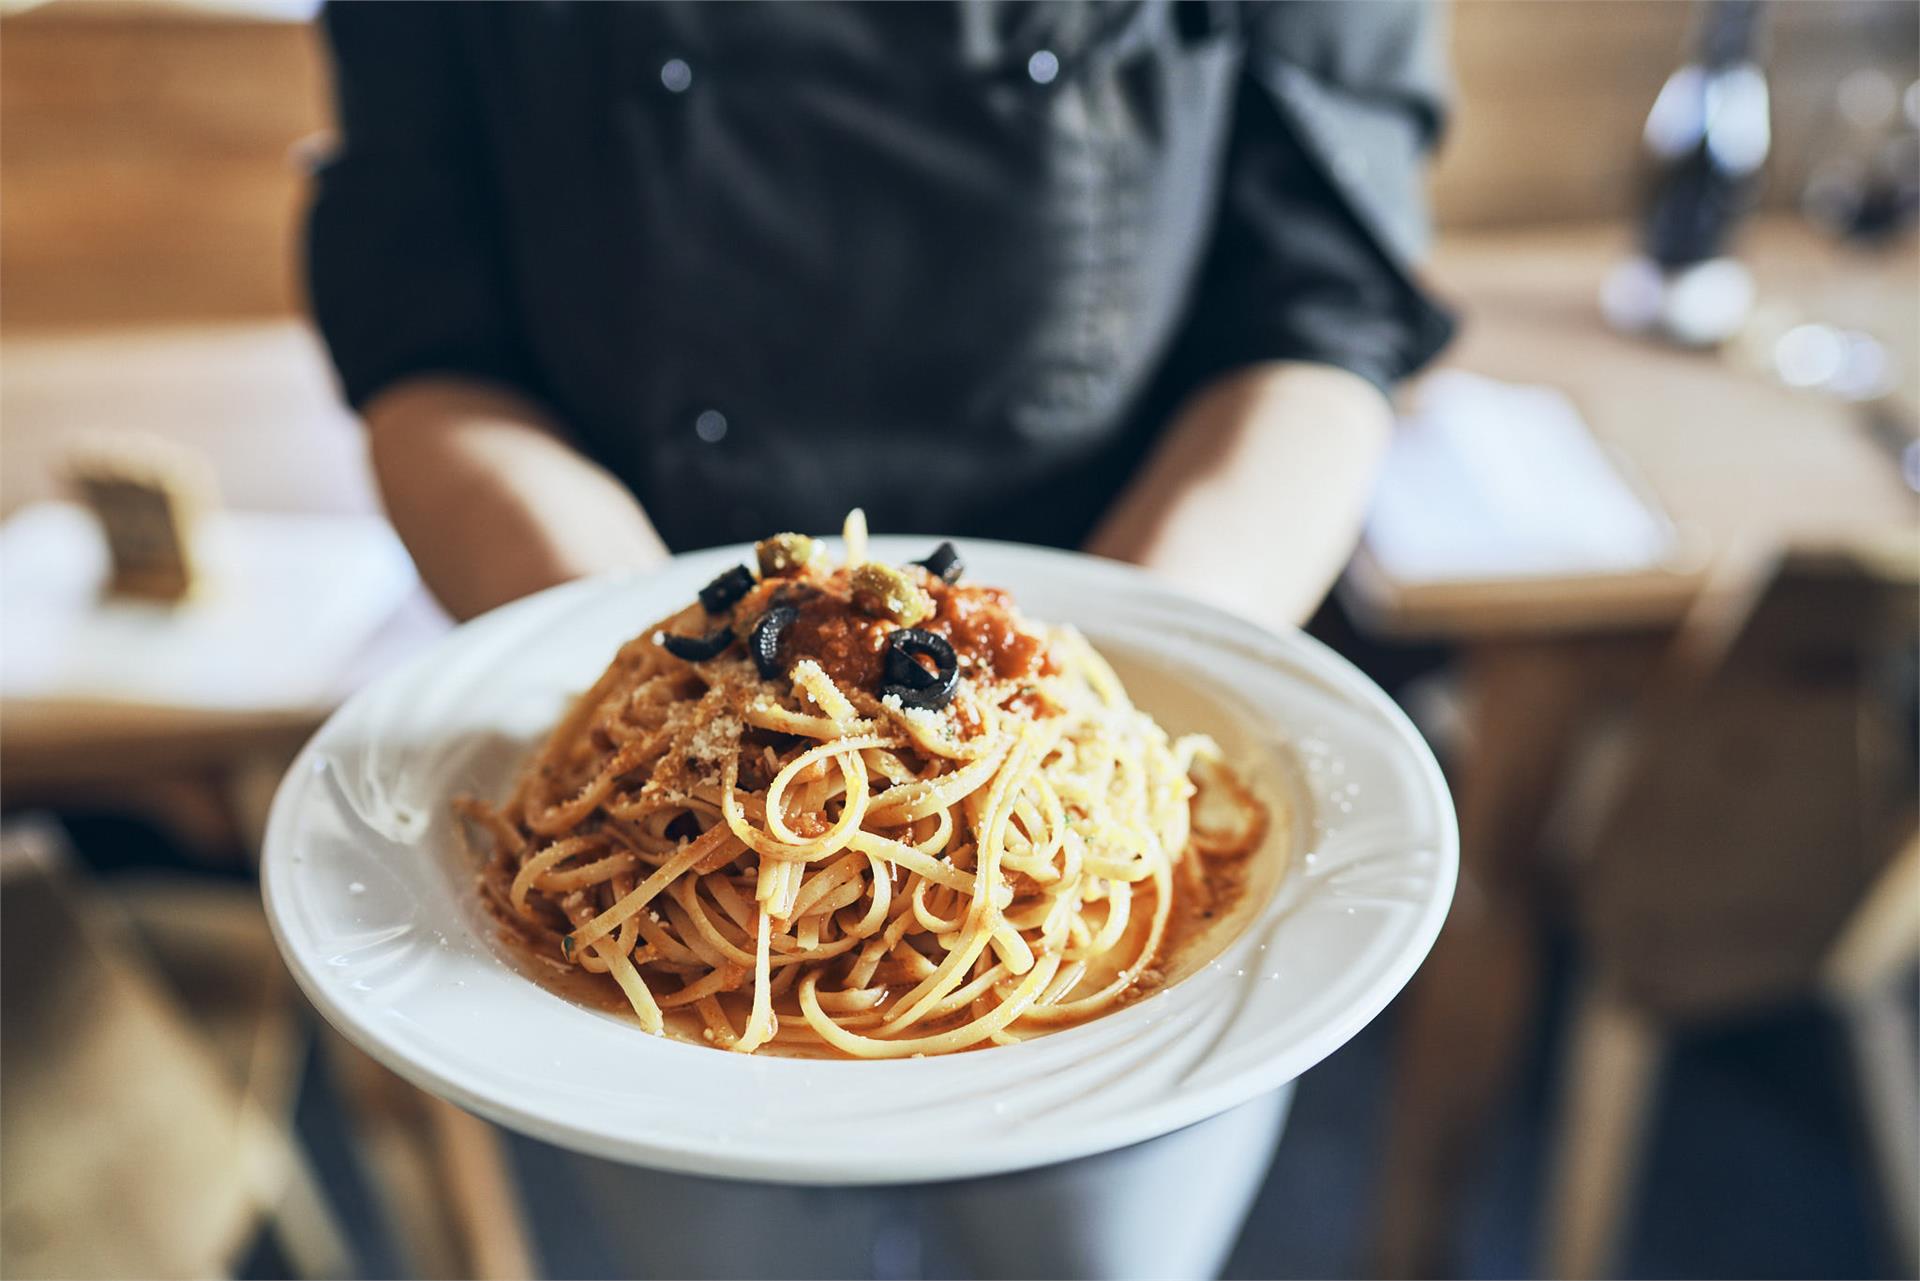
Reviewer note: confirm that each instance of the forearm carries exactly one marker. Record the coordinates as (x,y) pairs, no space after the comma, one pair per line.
(1255,497)
(491,499)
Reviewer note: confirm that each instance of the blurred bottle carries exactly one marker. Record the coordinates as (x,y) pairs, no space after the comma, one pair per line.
(1706,141)
(1706,138)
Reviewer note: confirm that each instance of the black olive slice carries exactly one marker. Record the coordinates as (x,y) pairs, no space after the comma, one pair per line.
(907,679)
(945,563)
(903,668)
(764,643)
(722,593)
(697,649)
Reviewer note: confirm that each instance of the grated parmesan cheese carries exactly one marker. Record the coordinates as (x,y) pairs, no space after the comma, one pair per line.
(715,739)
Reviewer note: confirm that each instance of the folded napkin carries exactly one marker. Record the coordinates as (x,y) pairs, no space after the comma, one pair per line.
(1486,479)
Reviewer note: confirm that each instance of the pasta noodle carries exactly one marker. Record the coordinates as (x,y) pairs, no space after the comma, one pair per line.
(861,810)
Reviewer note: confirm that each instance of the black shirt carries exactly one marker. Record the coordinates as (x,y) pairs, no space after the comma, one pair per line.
(955,263)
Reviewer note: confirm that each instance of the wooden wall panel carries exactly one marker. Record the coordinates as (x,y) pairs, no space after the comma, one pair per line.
(148,175)
(145,160)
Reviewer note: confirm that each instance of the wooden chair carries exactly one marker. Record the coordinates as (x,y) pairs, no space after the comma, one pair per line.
(145,1136)
(153,1047)
(1758,845)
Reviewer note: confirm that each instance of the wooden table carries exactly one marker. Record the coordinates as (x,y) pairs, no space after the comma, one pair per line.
(257,399)
(1742,466)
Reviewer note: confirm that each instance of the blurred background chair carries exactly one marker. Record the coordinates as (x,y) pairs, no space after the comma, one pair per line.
(155,1054)
(1758,846)
(153,1057)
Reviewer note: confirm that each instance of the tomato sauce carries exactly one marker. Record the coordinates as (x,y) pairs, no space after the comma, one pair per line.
(809,824)
(847,645)
(977,621)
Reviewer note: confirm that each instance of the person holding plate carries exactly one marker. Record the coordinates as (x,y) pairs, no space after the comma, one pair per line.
(607,280)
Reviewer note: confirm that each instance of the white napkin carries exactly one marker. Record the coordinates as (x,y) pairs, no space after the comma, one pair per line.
(1486,479)
(288,603)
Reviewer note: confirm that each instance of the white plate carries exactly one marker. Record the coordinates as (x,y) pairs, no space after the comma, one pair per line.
(372,900)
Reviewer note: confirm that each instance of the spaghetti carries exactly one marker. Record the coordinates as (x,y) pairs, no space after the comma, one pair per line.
(865,810)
